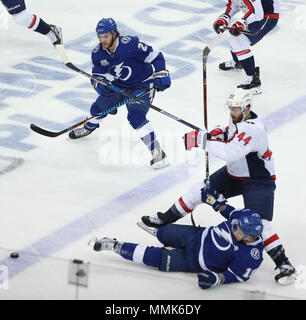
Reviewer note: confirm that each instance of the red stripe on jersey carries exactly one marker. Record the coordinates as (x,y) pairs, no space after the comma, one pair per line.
(241,53)
(229,7)
(33,21)
(271,239)
(183,205)
(250,7)
(272,16)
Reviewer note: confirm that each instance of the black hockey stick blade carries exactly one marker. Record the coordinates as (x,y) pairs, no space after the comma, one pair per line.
(45,132)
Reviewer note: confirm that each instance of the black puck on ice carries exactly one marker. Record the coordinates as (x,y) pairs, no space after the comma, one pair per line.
(14,255)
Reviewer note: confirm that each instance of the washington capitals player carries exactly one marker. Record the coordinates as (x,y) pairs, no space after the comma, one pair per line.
(226,253)
(135,67)
(24,18)
(249,172)
(256,14)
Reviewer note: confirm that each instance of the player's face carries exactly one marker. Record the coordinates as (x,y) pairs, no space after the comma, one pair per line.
(236,114)
(239,234)
(242,237)
(106,40)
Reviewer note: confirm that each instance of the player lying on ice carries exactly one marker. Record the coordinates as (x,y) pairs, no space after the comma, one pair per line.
(134,67)
(249,172)
(226,253)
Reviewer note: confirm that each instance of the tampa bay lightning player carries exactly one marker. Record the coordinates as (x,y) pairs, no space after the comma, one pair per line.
(135,67)
(24,18)
(226,253)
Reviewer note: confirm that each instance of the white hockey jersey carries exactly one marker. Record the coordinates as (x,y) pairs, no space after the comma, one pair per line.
(246,151)
(254,10)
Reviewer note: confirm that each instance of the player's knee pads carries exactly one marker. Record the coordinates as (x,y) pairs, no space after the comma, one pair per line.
(23,18)
(137,118)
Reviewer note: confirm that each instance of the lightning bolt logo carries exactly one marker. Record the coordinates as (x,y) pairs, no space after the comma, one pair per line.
(118,71)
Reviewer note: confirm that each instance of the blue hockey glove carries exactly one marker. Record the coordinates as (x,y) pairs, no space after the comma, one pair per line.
(208,279)
(161,80)
(100,88)
(212,197)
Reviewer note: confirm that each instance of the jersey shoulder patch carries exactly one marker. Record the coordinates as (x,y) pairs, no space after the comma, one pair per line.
(125,39)
(96,49)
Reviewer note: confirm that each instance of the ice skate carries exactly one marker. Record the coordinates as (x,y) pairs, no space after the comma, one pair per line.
(80,133)
(251,83)
(104,244)
(287,274)
(151,231)
(230,65)
(55,34)
(159,160)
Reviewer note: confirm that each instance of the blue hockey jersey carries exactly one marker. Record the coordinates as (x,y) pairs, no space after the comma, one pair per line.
(218,250)
(132,63)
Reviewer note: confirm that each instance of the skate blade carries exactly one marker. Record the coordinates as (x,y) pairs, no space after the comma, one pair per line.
(255,91)
(285,281)
(92,241)
(160,164)
(151,231)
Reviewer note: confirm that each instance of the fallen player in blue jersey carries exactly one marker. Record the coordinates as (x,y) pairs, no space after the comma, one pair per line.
(134,67)
(226,253)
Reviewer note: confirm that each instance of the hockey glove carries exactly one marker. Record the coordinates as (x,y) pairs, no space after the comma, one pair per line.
(100,88)
(219,133)
(161,80)
(195,139)
(222,21)
(238,26)
(212,197)
(208,279)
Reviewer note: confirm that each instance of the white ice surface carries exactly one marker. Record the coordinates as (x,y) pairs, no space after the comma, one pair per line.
(61,182)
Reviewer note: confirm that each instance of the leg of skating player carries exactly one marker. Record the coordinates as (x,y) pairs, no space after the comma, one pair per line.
(241,48)
(137,119)
(276,251)
(24,18)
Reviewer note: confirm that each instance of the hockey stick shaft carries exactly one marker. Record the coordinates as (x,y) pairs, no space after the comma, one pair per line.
(64,57)
(219,39)
(53,134)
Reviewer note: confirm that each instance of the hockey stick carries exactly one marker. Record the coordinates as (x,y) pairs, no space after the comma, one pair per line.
(62,52)
(53,134)
(221,38)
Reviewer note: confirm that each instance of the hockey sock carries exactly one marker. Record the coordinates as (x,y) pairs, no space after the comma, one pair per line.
(172,214)
(39,25)
(147,135)
(150,256)
(278,255)
(234,56)
(248,65)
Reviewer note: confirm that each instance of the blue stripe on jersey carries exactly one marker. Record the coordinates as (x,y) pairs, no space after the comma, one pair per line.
(268,6)
(256,166)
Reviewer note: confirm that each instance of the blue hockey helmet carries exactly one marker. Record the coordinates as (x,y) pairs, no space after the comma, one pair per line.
(250,223)
(106,25)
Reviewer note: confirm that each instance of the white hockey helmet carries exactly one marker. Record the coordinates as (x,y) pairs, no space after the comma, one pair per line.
(240,98)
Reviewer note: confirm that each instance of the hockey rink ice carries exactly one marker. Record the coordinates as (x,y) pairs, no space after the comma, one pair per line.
(56,194)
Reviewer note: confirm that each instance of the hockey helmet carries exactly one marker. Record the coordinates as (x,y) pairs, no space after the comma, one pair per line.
(249,222)
(239,98)
(106,25)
